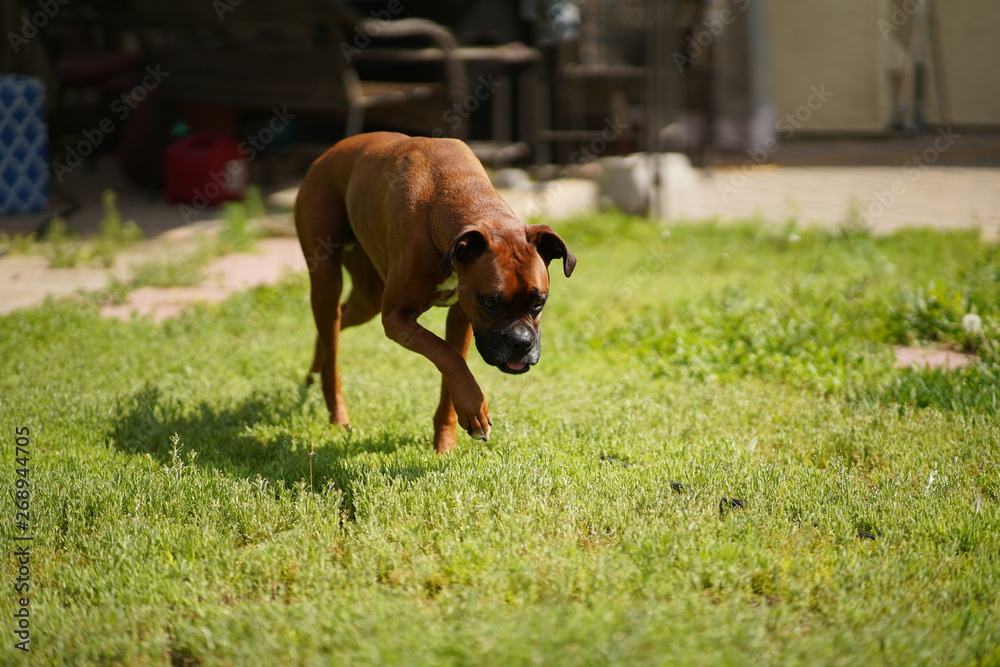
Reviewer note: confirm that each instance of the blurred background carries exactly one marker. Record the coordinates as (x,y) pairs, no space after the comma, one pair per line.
(180,106)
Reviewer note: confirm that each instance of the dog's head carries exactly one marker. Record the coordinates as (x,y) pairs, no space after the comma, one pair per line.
(503,284)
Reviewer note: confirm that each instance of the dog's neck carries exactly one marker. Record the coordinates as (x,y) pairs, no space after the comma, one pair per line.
(481,207)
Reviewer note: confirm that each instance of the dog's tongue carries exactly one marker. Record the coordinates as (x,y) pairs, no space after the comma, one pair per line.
(514,366)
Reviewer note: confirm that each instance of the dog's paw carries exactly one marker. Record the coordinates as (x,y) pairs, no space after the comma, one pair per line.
(444,439)
(339,416)
(479,433)
(476,421)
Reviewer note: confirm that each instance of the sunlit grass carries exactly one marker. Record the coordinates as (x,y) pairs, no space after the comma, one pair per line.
(177,518)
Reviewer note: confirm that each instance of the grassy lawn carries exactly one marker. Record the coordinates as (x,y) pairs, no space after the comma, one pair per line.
(189,504)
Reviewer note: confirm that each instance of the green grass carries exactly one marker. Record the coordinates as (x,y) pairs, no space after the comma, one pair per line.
(191,506)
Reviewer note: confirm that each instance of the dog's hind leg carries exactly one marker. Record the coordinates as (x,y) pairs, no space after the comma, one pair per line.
(362,304)
(321,220)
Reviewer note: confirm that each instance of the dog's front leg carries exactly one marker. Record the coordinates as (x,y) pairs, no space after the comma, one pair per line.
(458,335)
(400,324)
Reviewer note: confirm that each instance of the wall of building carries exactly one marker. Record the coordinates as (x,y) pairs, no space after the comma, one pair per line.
(970,36)
(836,67)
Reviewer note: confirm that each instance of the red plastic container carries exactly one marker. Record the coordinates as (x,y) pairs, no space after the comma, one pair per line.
(205,169)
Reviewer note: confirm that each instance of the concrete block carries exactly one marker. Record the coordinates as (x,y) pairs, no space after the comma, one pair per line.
(511,179)
(628,181)
(560,198)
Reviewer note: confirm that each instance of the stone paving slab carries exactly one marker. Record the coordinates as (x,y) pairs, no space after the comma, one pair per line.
(26,280)
(931,357)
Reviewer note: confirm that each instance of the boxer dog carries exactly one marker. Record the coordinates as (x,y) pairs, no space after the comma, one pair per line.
(417,223)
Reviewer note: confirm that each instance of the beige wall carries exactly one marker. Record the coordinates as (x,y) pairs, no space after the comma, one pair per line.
(970,36)
(836,45)
(849,47)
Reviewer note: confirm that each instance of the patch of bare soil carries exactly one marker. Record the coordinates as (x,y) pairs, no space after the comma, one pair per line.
(931,357)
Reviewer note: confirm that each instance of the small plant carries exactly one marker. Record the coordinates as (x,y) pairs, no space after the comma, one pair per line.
(115,293)
(177,468)
(854,224)
(239,234)
(115,234)
(972,324)
(930,314)
(62,247)
(19,244)
(254,203)
(172,270)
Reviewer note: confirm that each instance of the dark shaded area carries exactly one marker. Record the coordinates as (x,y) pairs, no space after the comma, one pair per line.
(147,419)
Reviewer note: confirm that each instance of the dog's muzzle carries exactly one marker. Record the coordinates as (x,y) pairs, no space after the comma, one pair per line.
(513,350)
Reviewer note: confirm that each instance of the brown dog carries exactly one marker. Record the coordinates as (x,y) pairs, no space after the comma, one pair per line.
(417,224)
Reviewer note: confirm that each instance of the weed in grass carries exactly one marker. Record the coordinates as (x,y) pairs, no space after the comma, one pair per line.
(172,270)
(115,234)
(932,313)
(239,233)
(114,293)
(62,248)
(854,226)
(19,244)
(236,234)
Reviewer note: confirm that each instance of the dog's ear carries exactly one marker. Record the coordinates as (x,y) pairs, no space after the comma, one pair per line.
(469,244)
(550,246)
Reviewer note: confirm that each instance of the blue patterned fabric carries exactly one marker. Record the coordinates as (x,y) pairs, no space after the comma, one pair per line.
(24,145)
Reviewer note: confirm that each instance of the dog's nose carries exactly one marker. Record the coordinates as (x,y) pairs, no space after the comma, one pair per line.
(521,340)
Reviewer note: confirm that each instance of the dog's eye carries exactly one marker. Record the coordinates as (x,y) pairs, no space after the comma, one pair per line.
(491,304)
(537,306)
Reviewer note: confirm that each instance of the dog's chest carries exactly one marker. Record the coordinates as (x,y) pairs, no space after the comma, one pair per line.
(447,292)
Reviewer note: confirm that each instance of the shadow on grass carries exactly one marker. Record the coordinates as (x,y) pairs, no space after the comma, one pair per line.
(253,437)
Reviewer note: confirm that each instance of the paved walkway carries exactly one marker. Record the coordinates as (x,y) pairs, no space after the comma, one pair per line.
(884,198)
(271,260)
